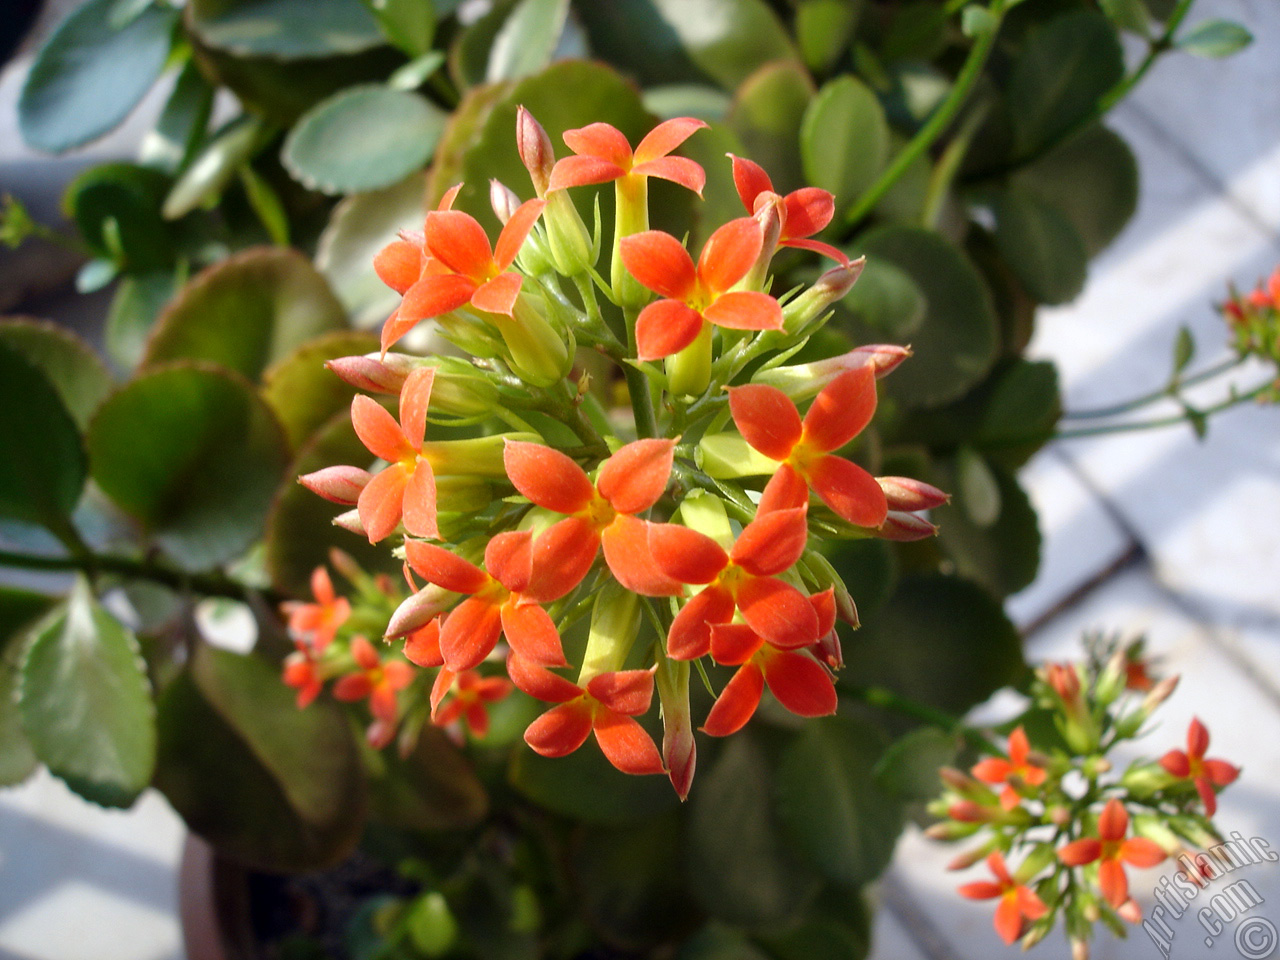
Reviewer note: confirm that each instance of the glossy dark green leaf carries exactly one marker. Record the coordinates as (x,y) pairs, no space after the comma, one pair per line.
(740,865)
(247,312)
(1041,246)
(829,803)
(1215,39)
(977,492)
(209,172)
(43,469)
(824,29)
(85,702)
(18,608)
(193,454)
(408,24)
(116,207)
(1092,180)
(1000,551)
(909,767)
(867,568)
(941,640)
(285,29)
(303,392)
(89,76)
(687,100)
(137,302)
(70,365)
(766,115)
(434,788)
(364,138)
(844,139)
(720,201)
(296,800)
(820,940)
(527,39)
(1129,15)
(172,143)
(956,343)
(1064,68)
(886,299)
(917,30)
(685,41)
(583,786)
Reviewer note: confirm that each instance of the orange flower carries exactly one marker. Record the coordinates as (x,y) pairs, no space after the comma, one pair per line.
(317,623)
(374,679)
(694,296)
(603,513)
(406,489)
(770,422)
(1015,769)
(607,707)
(804,211)
(743,579)
(603,154)
(1192,764)
(1112,850)
(472,693)
(302,673)
(1018,902)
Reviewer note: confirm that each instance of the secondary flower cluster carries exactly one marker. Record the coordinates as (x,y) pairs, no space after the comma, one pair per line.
(683,526)
(1049,801)
(1254,319)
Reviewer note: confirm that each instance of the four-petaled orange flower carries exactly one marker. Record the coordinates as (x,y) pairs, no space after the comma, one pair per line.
(1112,850)
(317,623)
(804,211)
(454,266)
(301,673)
(472,694)
(1192,764)
(999,770)
(504,600)
(744,579)
(603,154)
(406,489)
(797,680)
(695,296)
(1018,902)
(374,679)
(770,422)
(607,706)
(603,513)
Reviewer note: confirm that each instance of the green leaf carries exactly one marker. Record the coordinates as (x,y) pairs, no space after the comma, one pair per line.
(844,139)
(687,100)
(977,491)
(999,549)
(1184,349)
(284,29)
(296,800)
(193,454)
(886,299)
(434,788)
(246,312)
(527,39)
(1214,39)
(70,365)
(1131,15)
(408,24)
(1041,246)
(17,609)
(86,703)
(956,343)
(213,167)
(917,31)
(364,138)
(116,207)
(720,201)
(766,115)
(685,41)
(303,392)
(941,640)
(43,469)
(88,77)
(172,143)
(415,73)
(829,803)
(360,226)
(583,786)
(1091,179)
(1065,67)
(824,29)
(137,302)
(976,21)
(909,768)
(740,866)
(266,204)
(718,941)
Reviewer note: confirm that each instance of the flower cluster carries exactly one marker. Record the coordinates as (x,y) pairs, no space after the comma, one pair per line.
(522,500)
(1254,319)
(1050,801)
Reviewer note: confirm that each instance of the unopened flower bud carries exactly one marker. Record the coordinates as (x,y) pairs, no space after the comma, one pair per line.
(832,286)
(475,456)
(1129,911)
(1157,831)
(1079,949)
(1059,816)
(905,527)
(803,381)
(1112,679)
(911,496)
(350,521)
(727,456)
(966,811)
(827,650)
(372,373)
(418,610)
(535,149)
(959,781)
(503,200)
(770,212)
(1159,694)
(538,354)
(948,831)
(967,859)
(337,484)
(679,751)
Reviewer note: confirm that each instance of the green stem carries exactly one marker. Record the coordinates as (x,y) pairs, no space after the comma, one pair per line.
(888,700)
(1168,421)
(934,127)
(638,384)
(1162,394)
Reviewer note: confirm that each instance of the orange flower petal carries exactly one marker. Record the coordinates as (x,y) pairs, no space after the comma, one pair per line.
(431,296)
(1113,822)
(627,692)
(539,682)
(498,295)
(1008,919)
(515,231)
(690,634)
(547,477)
(980,890)
(363,653)
(1197,738)
(581,172)
(744,310)
(1207,796)
(509,559)
(627,553)
(378,430)
(635,477)
(532,634)
(1141,852)
(785,490)
(992,770)
(600,140)
(996,864)
(415,398)
(422,646)
(437,565)
(395,327)
(733,644)
(1032,907)
(766,418)
(771,543)
(562,556)
(848,490)
(322,586)
(686,555)
(420,502)
(817,246)
(381,502)
(750,180)
(469,633)
(399,265)
(626,745)
(665,137)
(800,684)
(841,410)
(666,327)
(1079,852)
(737,702)
(659,262)
(352,687)
(458,241)
(688,173)
(729,253)
(824,605)
(1177,763)
(1220,772)
(809,210)
(1018,747)
(561,730)
(1113,882)
(778,612)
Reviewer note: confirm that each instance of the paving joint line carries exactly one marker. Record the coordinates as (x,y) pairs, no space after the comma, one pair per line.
(916,923)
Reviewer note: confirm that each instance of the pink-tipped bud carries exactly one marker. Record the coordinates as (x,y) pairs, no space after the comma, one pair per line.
(826,290)
(1079,949)
(770,213)
(911,496)
(503,200)
(1159,694)
(337,484)
(373,373)
(536,151)
(958,780)
(802,381)
(967,859)
(905,527)
(680,754)
(1064,680)
(350,521)
(827,649)
(966,811)
(380,733)
(418,610)
(346,565)
(1130,911)
(679,751)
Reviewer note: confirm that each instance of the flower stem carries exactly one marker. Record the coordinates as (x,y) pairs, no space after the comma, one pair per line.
(638,384)
(888,700)
(1163,393)
(1169,421)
